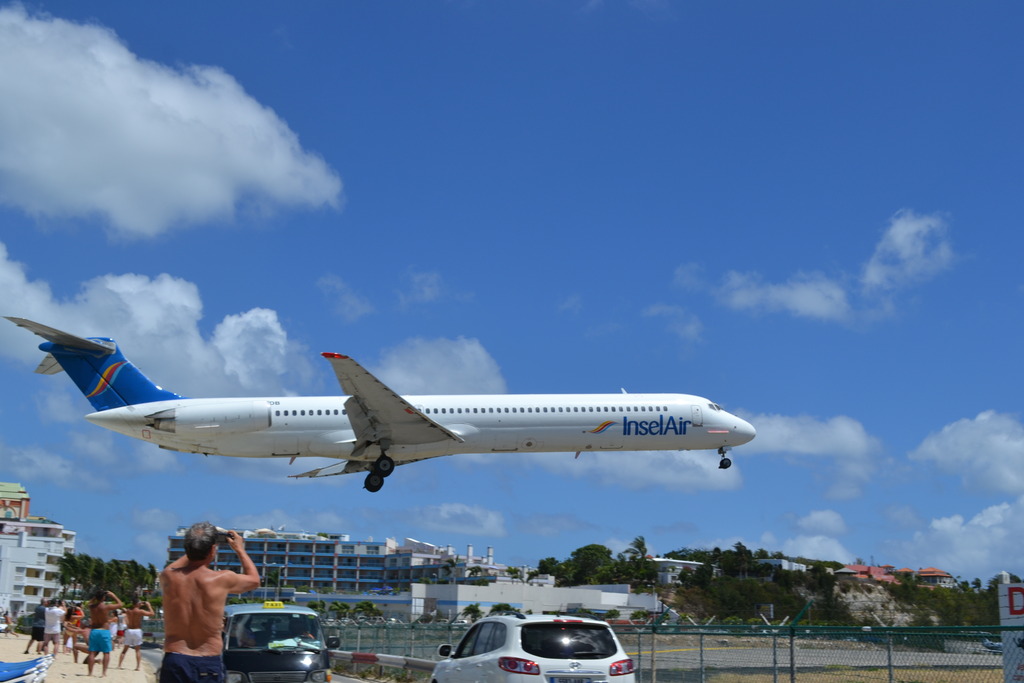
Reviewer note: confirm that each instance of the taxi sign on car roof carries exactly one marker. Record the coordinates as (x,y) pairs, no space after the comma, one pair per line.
(273,604)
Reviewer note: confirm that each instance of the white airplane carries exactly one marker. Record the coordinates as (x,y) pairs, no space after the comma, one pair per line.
(374,429)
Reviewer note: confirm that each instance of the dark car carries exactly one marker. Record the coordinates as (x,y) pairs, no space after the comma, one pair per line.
(275,643)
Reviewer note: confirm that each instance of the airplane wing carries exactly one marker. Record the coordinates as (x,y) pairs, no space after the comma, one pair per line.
(345,467)
(379,415)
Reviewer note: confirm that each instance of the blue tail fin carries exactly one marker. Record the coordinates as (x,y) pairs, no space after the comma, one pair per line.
(97,367)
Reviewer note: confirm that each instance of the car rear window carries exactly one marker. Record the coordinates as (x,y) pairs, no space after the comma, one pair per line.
(568,641)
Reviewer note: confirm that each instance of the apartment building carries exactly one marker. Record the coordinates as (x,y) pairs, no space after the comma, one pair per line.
(329,563)
(30,549)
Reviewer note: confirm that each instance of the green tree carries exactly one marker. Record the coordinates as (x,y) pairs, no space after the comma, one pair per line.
(642,572)
(584,564)
(449,566)
(473,612)
(340,609)
(367,609)
(548,565)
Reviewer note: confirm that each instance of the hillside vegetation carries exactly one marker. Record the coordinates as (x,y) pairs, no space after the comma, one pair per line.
(732,586)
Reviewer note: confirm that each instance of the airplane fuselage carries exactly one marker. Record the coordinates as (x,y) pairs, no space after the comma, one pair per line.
(371,428)
(527,423)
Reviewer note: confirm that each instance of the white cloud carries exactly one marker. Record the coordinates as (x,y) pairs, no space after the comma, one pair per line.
(87,128)
(808,295)
(683,324)
(841,439)
(33,464)
(817,547)
(678,471)
(913,248)
(548,525)
(822,523)
(254,347)
(152,527)
(979,547)
(986,452)
(420,287)
(903,516)
(459,518)
(441,366)
(156,321)
(311,520)
(348,303)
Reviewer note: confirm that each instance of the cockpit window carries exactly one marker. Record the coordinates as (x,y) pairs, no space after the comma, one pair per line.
(714,406)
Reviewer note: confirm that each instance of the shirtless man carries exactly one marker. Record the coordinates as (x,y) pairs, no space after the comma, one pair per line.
(194,598)
(100,641)
(133,630)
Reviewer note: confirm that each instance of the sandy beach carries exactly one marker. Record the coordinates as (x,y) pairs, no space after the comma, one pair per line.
(12,649)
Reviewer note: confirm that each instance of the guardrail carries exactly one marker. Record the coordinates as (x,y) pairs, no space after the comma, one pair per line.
(397,661)
(689,654)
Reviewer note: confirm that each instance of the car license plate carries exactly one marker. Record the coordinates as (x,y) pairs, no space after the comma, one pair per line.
(571,679)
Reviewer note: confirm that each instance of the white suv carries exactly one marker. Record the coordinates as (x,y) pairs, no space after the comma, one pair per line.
(521,648)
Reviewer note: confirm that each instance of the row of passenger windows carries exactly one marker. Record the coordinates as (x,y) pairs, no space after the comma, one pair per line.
(574,409)
(454,411)
(295,413)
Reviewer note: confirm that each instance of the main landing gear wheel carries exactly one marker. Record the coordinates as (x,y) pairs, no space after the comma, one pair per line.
(725,463)
(384,466)
(373,483)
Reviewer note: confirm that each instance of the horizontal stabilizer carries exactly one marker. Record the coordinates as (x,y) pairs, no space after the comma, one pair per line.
(63,338)
(48,366)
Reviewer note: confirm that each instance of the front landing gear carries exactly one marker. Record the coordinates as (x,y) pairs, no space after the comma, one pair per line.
(725,463)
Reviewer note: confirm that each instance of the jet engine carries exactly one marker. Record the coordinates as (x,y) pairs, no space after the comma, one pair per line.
(216,418)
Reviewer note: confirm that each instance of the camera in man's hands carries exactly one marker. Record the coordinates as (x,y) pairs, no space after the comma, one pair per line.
(223,535)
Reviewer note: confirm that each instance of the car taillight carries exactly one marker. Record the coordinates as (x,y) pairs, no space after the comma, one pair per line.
(621,667)
(520,666)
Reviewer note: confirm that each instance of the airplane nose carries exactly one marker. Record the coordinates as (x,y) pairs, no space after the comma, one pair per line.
(743,430)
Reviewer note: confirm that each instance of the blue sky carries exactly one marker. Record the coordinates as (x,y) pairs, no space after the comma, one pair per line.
(807,212)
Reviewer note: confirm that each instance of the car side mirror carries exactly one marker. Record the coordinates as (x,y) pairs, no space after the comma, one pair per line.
(444,650)
(333,643)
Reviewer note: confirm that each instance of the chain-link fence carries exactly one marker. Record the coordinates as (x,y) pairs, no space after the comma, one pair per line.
(744,654)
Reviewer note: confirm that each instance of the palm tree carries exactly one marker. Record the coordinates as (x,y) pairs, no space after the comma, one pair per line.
(638,548)
(68,565)
(449,566)
(473,612)
(367,609)
(340,609)
(644,572)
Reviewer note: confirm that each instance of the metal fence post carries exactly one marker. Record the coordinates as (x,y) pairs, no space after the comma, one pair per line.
(775,657)
(792,655)
(888,646)
(702,657)
(654,656)
(639,656)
